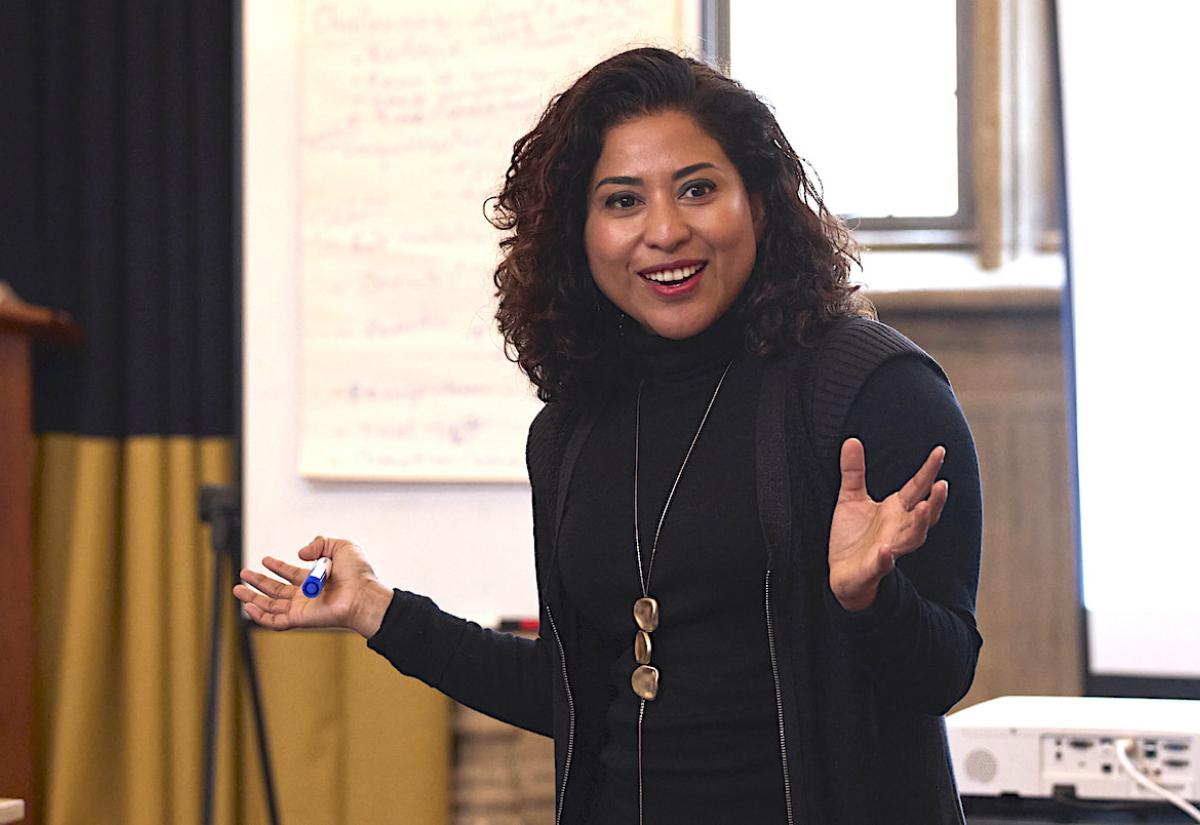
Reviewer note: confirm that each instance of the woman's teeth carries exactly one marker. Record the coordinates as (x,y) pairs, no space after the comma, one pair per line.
(671,276)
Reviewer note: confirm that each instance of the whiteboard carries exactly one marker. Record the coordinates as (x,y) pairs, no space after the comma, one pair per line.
(367,264)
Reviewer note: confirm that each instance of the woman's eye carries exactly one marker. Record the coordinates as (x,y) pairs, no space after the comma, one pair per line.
(621,201)
(698,189)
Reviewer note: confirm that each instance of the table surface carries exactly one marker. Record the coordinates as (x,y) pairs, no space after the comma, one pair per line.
(12,810)
(982,811)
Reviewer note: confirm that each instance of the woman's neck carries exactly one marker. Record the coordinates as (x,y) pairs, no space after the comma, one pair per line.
(665,360)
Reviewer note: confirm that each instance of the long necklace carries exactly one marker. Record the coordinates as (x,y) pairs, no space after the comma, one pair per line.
(646,612)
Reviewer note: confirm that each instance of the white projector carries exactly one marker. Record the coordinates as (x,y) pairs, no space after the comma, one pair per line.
(1045,746)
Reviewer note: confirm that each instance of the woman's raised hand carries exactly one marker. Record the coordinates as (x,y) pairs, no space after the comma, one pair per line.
(867,536)
(352,596)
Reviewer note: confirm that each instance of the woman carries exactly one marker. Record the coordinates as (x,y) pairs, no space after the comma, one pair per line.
(736,625)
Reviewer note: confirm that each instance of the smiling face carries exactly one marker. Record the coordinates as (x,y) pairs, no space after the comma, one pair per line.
(670,229)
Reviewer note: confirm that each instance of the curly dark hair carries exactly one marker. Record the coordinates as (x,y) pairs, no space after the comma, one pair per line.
(557,325)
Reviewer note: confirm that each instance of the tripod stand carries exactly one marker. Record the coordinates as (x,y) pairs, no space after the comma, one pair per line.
(220,508)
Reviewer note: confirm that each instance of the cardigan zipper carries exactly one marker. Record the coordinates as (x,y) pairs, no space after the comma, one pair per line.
(787,781)
(562,660)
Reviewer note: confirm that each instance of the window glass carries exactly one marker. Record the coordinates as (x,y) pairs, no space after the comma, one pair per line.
(865,91)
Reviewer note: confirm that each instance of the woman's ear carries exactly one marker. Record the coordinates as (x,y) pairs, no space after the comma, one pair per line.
(758,215)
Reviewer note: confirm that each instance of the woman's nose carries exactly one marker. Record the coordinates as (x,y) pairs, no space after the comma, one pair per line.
(666,228)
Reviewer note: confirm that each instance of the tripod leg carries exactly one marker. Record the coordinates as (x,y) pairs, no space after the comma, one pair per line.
(260,725)
(219,507)
(214,674)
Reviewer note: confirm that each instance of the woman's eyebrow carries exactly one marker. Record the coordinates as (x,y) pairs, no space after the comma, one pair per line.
(621,180)
(695,167)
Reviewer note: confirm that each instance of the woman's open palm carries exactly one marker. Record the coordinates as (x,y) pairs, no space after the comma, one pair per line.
(281,605)
(867,536)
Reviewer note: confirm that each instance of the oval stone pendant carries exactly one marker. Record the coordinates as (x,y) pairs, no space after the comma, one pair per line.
(645,613)
(645,682)
(642,647)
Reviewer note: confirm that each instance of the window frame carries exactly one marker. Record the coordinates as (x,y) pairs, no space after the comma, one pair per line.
(957,231)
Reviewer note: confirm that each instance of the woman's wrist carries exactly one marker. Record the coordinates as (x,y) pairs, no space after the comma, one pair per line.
(860,599)
(368,611)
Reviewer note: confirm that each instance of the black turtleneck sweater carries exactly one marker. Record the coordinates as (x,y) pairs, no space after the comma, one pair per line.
(857,690)
(710,738)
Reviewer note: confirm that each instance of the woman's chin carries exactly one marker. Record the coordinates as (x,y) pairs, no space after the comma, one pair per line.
(678,329)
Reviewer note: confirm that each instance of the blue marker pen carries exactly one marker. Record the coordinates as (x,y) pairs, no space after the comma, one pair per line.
(316,578)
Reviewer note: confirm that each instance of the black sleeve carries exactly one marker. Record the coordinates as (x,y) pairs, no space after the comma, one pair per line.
(919,638)
(505,676)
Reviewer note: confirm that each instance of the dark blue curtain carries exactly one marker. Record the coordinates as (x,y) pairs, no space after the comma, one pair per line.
(118,147)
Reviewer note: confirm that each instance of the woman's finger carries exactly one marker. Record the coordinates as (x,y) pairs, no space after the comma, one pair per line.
(275,621)
(917,488)
(266,604)
(937,501)
(319,546)
(853,465)
(272,587)
(922,518)
(290,572)
(909,530)
(312,550)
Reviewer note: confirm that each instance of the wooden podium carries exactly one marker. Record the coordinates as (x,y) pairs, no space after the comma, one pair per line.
(20,325)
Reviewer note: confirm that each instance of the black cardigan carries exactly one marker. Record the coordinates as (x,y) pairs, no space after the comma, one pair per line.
(860,695)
